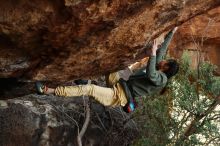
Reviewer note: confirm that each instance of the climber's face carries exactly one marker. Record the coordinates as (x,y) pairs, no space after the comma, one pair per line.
(162,66)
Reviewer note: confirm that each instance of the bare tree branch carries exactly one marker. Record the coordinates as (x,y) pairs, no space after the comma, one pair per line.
(192,126)
(84,127)
(211,140)
(57,109)
(103,126)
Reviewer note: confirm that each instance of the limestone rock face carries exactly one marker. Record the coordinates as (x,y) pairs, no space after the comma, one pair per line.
(201,37)
(68,39)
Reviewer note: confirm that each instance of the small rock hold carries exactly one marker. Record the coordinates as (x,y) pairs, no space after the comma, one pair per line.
(3,104)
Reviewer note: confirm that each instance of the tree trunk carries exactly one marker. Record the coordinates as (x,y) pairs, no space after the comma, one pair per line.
(195,124)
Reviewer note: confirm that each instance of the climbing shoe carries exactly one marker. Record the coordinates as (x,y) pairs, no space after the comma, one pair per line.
(41,89)
(84,82)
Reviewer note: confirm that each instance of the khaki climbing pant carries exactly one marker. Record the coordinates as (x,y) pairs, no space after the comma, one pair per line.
(112,96)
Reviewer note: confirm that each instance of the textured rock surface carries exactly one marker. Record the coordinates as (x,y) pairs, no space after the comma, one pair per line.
(64,39)
(61,40)
(36,120)
(199,34)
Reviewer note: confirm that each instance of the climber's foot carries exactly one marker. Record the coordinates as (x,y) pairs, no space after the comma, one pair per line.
(41,88)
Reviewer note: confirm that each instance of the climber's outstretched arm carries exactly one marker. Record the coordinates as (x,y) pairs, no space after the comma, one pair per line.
(161,53)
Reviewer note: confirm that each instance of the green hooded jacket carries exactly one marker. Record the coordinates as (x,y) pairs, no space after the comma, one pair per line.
(150,81)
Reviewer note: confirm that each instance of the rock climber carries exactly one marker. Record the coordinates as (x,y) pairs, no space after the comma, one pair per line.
(121,90)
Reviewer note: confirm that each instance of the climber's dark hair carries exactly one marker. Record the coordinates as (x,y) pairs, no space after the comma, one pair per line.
(173,68)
